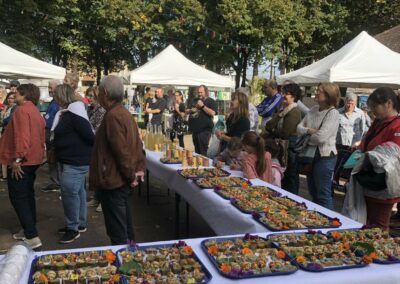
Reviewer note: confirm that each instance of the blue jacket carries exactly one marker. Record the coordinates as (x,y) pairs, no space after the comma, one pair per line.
(269,105)
(51,113)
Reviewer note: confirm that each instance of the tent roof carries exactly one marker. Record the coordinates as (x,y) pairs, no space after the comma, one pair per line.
(362,63)
(170,67)
(17,65)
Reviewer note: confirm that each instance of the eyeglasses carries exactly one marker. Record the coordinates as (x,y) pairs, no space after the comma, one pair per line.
(11,98)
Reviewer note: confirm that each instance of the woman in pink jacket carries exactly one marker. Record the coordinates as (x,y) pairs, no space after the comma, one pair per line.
(258,163)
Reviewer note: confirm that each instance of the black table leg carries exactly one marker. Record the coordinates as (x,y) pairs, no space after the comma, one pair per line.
(187,219)
(147,187)
(177,215)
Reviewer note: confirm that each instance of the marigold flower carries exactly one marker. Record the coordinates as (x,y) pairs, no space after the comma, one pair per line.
(110,256)
(116,278)
(212,250)
(300,259)
(225,268)
(336,223)
(336,235)
(280,254)
(246,251)
(187,249)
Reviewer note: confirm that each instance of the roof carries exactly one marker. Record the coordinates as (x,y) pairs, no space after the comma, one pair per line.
(170,67)
(362,62)
(390,38)
(17,65)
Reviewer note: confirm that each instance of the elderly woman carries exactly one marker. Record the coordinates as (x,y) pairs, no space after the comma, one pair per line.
(22,149)
(321,123)
(283,125)
(237,122)
(73,141)
(383,103)
(95,110)
(351,129)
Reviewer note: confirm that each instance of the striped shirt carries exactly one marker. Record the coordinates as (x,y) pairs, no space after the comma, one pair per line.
(351,128)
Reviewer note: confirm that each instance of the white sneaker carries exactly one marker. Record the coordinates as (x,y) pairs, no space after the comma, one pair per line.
(93,203)
(99,209)
(33,243)
(20,235)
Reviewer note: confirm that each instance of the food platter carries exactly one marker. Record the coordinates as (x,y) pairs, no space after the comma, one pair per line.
(197,173)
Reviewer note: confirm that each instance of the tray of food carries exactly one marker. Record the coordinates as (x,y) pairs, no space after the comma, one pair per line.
(214,182)
(294,218)
(316,252)
(253,191)
(171,160)
(169,263)
(373,244)
(197,173)
(247,257)
(93,267)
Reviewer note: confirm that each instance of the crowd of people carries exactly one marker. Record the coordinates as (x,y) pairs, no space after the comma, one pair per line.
(95,136)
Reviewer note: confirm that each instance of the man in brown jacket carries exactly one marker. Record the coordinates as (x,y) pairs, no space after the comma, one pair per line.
(117,161)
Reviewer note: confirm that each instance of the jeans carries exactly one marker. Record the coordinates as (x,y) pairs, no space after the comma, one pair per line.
(74,195)
(22,196)
(117,210)
(320,182)
(200,141)
(290,181)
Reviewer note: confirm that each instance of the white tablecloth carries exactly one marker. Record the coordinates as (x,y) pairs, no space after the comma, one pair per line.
(221,216)
(371,274)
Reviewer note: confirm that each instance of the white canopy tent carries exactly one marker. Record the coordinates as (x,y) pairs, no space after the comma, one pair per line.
(362,63)
(170,67)
(17,65)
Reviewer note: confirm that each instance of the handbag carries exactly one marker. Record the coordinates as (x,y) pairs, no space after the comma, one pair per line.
(306,152)
(369,179)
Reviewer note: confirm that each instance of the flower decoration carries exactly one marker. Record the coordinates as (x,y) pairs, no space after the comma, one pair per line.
(256,215)
(300,259)
(276,194)
(370,258)
(110,256)
(187,249)
(247,251)
(314,266)
(225,268)
(132,244)
(336,235)
(392,258)
(280,254)
(250,237)
(336,222)
(116,278)
(245,185)
(181,244)
(43,278)
(212,250)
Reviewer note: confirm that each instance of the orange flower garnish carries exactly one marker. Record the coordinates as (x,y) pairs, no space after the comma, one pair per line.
(283,212)
(212,250)
(246,251)
(281,254)
(336,235)
(369,258)
(346,246)
(225,268)
(300,259)
(43,278)
(245,185)
(187,249)
(110,256)
(336,223)
(116,278)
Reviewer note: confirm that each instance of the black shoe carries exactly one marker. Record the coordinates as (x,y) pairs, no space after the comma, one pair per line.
(395,216)
(69,237)
(51,188)
(81,229)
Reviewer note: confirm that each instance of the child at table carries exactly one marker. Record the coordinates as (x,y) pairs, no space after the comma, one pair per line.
(232,155)
(275,149)
(257,163)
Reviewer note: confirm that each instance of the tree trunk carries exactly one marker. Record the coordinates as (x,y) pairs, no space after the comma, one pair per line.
(245,56)
(98,71)
(256,63)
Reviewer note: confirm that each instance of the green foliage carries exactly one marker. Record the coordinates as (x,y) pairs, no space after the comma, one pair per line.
(105,35)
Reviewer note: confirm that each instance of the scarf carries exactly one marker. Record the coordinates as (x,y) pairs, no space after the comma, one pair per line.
(285,111)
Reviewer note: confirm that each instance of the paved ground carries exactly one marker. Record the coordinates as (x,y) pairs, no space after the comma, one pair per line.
(153,222)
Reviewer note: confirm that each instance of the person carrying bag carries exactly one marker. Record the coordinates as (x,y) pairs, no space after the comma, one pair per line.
(317,148)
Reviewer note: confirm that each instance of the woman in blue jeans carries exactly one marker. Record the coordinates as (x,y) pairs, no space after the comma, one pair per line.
(73,141)
(322,123)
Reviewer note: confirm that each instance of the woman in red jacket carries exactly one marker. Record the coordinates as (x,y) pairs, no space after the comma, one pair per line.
(384,103)
(22,149)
